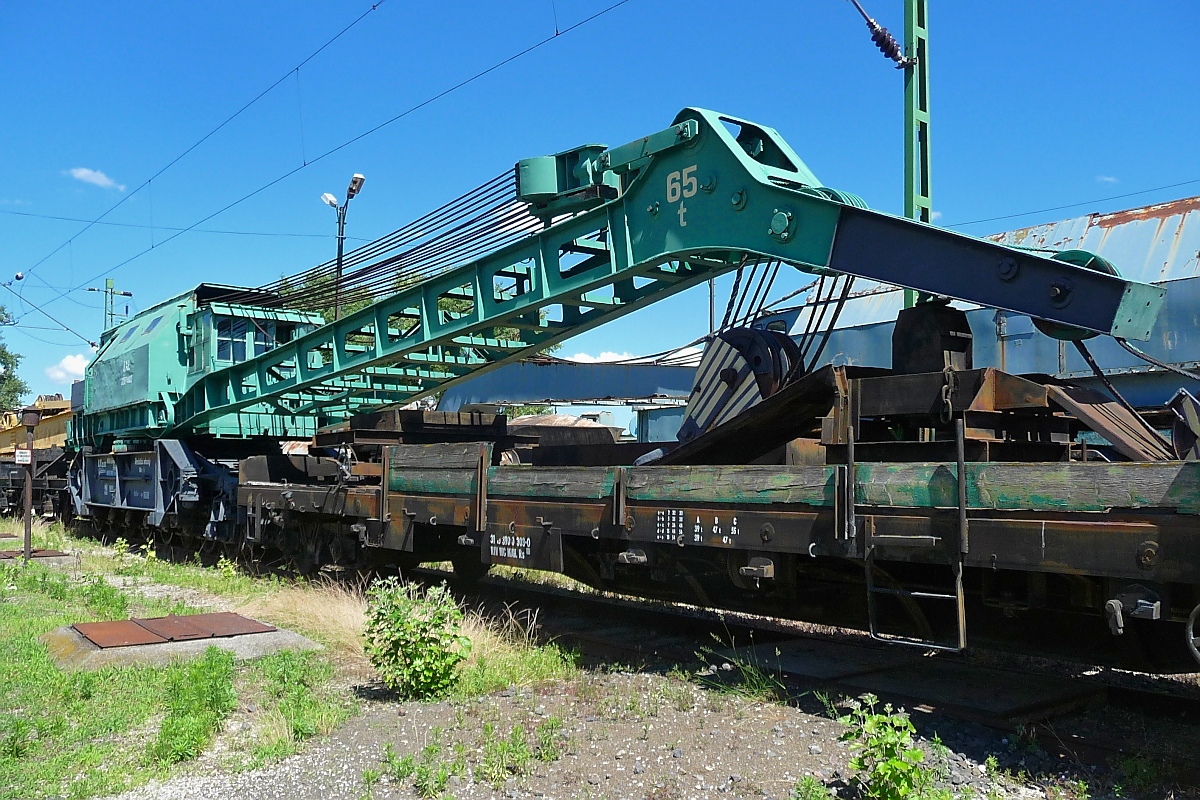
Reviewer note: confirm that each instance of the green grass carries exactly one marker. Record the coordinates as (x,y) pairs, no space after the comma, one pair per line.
(199,696)
(67,734)
(81,734)
(299,704)
(503,756)
(505,652)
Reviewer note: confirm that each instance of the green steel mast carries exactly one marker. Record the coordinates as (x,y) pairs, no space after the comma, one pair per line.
(917,202)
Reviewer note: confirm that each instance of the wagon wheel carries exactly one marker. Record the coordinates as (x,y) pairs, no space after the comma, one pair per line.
(912,609)
(166,544)
(304,554)
(210,552)
(1192,634)
(468,567)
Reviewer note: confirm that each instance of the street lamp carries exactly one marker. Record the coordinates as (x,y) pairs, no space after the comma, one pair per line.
(356,184)
(30,417)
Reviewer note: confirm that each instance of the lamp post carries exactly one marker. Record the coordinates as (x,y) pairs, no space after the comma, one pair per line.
(356,183)
(29,418)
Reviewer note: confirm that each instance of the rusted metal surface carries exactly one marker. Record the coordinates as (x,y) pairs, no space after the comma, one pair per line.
(121,633)
(176,629)
(226,623)
(159,630)
(1160,242)
(1130,435)
(37,553)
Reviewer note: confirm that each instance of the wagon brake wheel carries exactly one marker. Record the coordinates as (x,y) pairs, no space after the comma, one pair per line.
(1193,636)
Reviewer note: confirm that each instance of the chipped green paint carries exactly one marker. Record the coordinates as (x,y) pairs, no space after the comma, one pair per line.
(432,481)
(1034,487)
(757,485)
(551,483)
(1067,487)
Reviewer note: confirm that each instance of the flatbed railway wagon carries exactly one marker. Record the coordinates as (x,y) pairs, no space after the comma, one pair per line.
(921,503)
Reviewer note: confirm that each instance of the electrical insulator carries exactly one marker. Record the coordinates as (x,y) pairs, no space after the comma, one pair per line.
(886,43)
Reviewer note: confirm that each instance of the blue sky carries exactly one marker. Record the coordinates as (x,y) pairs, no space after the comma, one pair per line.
(1034,104)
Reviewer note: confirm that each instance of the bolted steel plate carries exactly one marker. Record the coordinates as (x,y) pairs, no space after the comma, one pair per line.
(175,629)
(203,626)
(160,630)
(226,623)
(121,633)
(35,553)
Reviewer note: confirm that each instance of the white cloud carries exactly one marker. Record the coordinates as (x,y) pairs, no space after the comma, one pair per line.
(934,216)
(69,369)
(684,356)
(95,177)
(1106,179)
(586,358)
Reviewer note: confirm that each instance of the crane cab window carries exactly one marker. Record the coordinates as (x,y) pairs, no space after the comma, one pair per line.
(264,336)
(231,339)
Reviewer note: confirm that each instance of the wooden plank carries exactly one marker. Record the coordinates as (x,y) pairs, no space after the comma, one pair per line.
(432,481)
(367,470)
(454,455)
(1044,487)
(729,484)
(550,483)
(1034,487)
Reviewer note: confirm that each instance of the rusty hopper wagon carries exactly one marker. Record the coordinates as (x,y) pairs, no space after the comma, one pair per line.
(918,502)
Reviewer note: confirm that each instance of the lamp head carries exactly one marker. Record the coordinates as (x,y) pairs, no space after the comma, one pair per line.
(329,200)
(30,416)
(356,184)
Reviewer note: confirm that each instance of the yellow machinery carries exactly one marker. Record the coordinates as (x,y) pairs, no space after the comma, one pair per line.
(51,431)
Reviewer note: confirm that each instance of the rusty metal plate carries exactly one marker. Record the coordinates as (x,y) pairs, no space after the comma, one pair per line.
(203,626)
(175,629)
(121,633)
(36,553)
(226,623)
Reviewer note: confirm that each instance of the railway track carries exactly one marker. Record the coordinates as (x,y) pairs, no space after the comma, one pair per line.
(1076,713)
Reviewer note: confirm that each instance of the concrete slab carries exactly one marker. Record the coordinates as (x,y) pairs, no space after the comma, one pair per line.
(53,558)
(71,650)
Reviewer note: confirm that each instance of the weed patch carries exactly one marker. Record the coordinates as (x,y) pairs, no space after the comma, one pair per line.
(751,681)
(414,638)
(503,756)
(199,697)
(552,742)
(302,708)
(505,652)
(887,763)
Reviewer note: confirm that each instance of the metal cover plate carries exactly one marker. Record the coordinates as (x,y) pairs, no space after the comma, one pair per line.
(36,553)
(175,629)
(203,626)
(226,623)
(121,633)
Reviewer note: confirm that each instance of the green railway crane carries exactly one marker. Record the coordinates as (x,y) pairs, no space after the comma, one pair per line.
(622,228)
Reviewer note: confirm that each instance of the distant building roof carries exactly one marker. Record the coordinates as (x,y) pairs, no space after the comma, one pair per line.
(1152,244)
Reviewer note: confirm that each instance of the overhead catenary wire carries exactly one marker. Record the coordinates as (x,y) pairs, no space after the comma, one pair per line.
(1073,205)
(410,110)
(288,234)
(1149,359)
(50,316)
(208,135)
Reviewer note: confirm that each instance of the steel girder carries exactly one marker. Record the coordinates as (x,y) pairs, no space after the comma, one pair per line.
(699,199)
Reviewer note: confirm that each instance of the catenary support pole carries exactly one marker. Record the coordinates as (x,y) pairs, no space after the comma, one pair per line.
(917,198)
